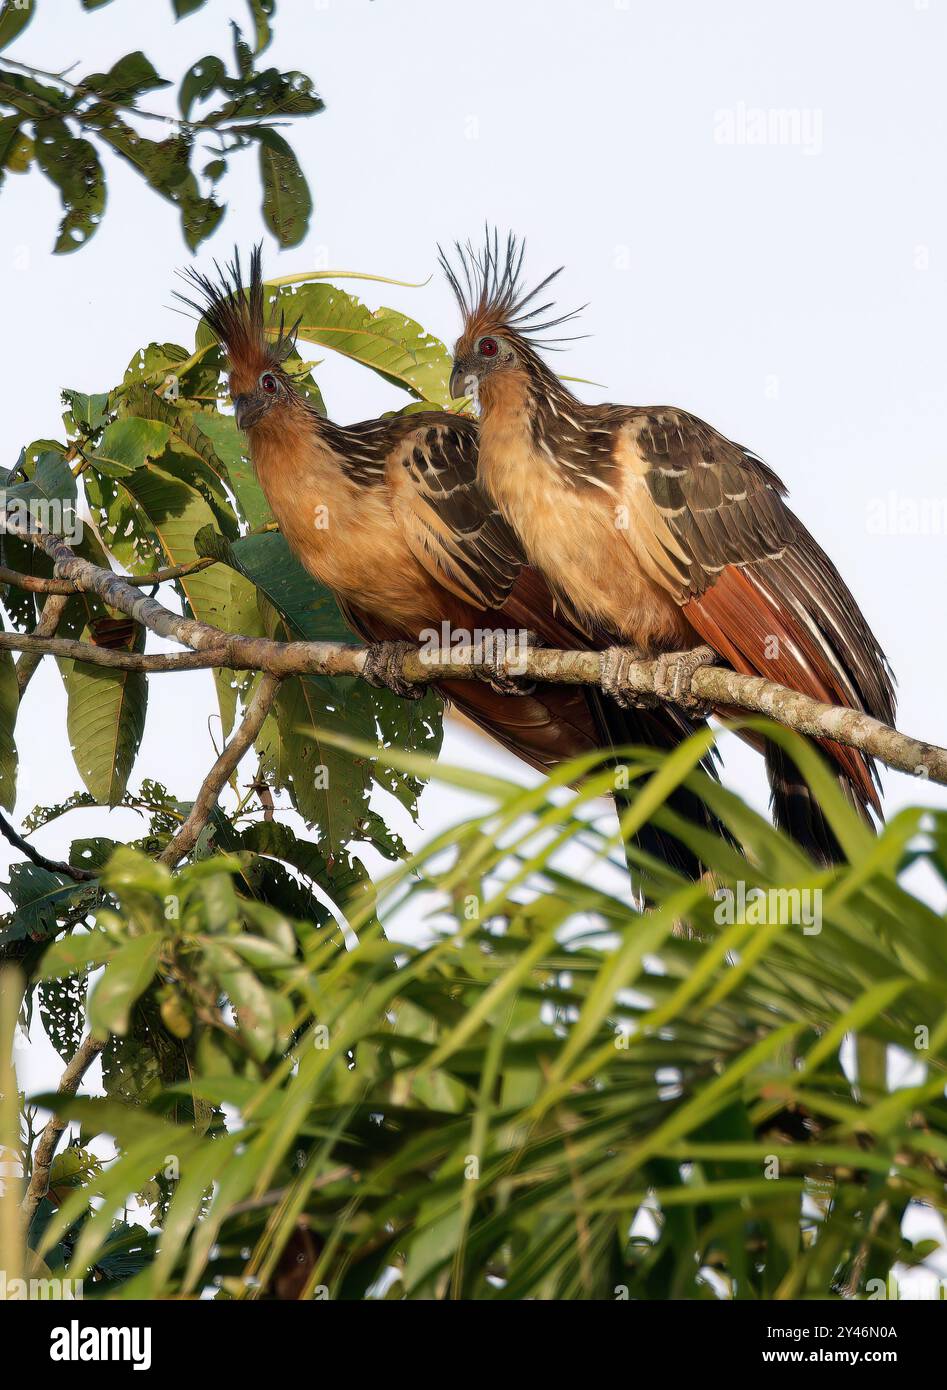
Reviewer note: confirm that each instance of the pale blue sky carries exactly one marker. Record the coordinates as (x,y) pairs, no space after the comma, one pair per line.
(791,292)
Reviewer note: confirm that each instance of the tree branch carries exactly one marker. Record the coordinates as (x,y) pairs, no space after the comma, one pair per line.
(36,584)
(117,658)
(215,781)
(213,647)
(76,1069)
(54,866)
(48,622)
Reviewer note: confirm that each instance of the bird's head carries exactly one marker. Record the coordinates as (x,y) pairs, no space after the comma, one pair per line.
(500,329)
(255,341)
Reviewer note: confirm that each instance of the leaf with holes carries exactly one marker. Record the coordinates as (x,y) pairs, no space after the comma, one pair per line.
(287,202)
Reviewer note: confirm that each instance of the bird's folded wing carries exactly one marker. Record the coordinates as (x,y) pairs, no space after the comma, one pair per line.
(749,577)
(450,524)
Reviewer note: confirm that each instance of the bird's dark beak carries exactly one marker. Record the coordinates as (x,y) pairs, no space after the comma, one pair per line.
(459,379)
(249,410)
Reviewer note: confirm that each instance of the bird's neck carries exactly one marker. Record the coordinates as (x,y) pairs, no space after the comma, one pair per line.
(522,414)
(311,473)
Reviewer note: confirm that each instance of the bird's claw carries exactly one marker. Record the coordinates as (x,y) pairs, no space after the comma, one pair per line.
(497,676)
(614,678)
(673,674)
(384,669)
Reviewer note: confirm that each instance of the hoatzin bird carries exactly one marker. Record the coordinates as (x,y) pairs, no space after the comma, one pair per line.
(413,542)
(654,531)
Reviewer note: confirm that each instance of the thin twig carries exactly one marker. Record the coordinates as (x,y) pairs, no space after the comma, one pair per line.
(37,584)
(76,1069)
(54,866)
(81,89)
(215,781)
(116,658)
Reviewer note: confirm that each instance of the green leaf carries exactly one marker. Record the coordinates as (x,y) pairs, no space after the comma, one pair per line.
(13,20)
(266,561)
(129,443)
(50,481)
(62,1010)
(388,342)
(254,1006)
(126,79)
(10,141)
(261,12)
(230,448)
(73,166)
(204,77)
(105,720)
(75,953)
(87,414)
(173,513)
(39,897)
(127,975)
(287,202)
(165,166)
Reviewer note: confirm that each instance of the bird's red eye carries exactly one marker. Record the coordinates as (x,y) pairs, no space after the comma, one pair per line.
(489,347)
(269,383)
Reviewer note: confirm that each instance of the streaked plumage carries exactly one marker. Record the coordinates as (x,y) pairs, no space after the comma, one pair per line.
(410,540)
(653,529)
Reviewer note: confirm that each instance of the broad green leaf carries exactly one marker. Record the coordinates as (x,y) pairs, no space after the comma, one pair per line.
(172,514)
(287,202)
(72,954)
(251,1000)
(38,896)
(105,720)
(127,79)
(385,340)
(13,20)
(128,974)
(229,446)
(130,443)
(86,413)
(73,166)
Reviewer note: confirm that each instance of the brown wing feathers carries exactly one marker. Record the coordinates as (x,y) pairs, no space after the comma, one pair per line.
(708,528)
(438,519)
(758,587)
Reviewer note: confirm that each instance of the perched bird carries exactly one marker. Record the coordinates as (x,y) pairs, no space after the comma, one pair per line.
(655,532)
(413,542)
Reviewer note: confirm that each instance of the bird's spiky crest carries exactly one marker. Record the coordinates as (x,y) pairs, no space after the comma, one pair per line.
(488,286)
(236,314)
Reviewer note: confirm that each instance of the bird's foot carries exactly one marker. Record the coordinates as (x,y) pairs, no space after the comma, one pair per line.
(614,668)
(674,672)
(497,675)
(384,669)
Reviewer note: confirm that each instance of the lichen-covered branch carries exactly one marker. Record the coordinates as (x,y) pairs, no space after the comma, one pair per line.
(213,647)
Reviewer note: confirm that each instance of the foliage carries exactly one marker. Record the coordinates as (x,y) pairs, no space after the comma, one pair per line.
(164,474)
(544,1092)
(63,124)
(550,1097)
